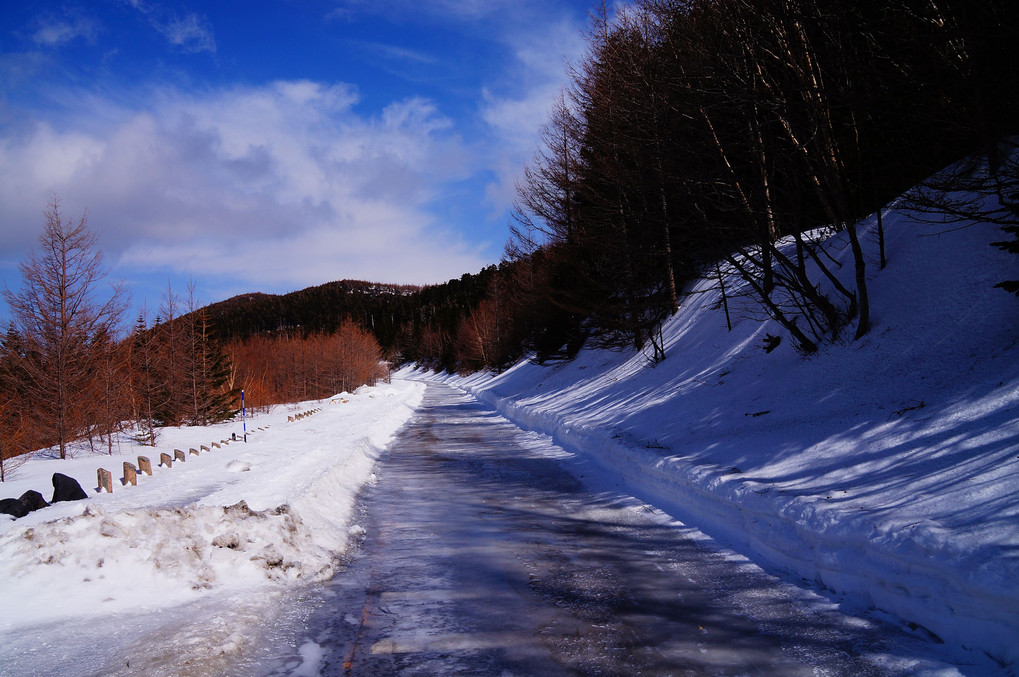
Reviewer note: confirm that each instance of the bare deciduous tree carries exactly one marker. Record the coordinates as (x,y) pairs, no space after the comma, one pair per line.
(58,313)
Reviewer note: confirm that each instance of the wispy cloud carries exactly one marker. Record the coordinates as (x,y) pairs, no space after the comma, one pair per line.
(514,115)
(395,53)
(538,37)
(56,32)
(457,9)
(189,32)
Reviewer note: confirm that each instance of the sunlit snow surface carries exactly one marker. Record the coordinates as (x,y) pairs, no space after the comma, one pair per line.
(885,469)
(179,573)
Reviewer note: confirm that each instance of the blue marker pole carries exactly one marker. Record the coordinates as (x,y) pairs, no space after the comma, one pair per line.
(244,420)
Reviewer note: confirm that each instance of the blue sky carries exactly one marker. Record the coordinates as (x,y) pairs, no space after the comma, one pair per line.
(269,146)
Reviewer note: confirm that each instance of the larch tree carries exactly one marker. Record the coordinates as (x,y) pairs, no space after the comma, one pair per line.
(112,387)
(148,395)
(206,368)
(58,312)
(171,340)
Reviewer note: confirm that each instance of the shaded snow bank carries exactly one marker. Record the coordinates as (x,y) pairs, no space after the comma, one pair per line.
(239,520)
(885,469)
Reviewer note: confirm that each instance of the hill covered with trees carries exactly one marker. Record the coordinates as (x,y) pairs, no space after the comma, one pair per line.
(409,323)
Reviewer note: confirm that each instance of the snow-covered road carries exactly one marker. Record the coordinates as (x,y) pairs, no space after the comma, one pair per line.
(489,550)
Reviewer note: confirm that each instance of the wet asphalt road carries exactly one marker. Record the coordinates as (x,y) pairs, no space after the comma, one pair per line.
(483,556)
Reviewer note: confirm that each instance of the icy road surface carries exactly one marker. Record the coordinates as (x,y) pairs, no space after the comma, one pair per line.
(484,554)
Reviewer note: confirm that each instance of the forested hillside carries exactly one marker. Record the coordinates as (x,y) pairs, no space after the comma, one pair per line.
(410,323)
(313,310)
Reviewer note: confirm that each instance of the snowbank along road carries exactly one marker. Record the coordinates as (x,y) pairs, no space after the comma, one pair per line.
(489,550)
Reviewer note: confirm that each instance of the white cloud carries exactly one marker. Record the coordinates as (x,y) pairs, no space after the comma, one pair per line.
(397,54)
(539,38)
(190,33)
(289,183)
(59,32)
(464,10)
(373,241)
(541,58)
(282,184)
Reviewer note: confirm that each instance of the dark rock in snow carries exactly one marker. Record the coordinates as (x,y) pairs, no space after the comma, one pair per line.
(66,489)
(33,500)
(13,506)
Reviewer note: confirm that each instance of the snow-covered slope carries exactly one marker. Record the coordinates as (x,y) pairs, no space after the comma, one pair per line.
(884,469)
(199,554)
